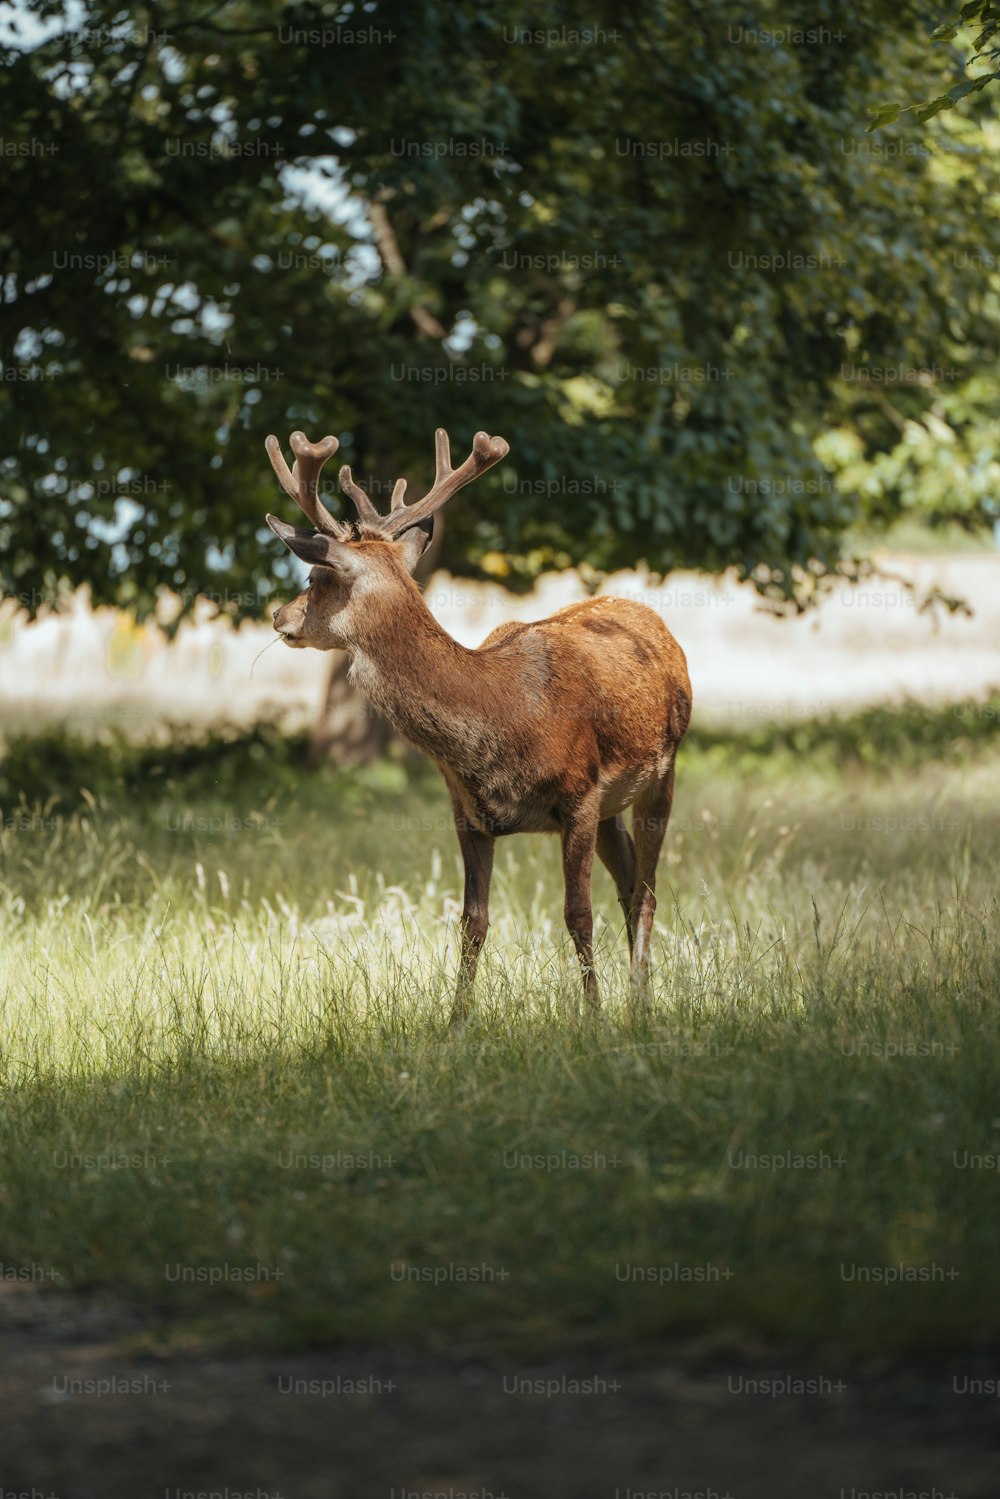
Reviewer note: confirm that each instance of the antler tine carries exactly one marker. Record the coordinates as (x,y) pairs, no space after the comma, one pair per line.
(280,467)
(486,451)
(367,513)
(442,456)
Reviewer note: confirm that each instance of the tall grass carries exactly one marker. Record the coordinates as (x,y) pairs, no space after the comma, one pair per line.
(230,1092)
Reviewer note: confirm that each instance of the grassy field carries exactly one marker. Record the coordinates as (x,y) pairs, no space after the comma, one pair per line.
(229,1090)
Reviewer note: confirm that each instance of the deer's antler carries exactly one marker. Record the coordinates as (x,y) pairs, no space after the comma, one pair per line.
(486,451)
(310,457)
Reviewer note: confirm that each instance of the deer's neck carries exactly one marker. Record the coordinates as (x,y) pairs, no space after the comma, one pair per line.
(432,690)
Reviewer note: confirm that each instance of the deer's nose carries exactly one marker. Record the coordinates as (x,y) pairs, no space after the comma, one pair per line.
(284,624)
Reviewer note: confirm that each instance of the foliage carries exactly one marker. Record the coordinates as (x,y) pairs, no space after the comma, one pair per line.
(642,257)
(61,771)
(881,739)
(258,769)
(975,15)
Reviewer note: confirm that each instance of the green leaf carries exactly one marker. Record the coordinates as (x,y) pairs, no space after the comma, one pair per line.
(886,114)
(927,111)
(970,86)
(969,12)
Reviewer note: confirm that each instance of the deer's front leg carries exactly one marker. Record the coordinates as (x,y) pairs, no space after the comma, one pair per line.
(477,854)
(579,840)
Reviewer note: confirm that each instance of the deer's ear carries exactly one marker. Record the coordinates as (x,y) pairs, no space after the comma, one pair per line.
(315,547)
(414,542)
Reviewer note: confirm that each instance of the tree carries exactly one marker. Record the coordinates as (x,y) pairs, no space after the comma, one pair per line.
(644,252)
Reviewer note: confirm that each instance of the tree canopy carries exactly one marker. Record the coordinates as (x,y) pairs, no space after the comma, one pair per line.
(717,321)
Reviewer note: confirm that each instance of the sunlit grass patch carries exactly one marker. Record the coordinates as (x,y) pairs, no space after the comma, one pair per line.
(230,1090)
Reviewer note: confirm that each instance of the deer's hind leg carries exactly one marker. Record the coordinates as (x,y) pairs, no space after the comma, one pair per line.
(616,852)
(578,845)
(650,815)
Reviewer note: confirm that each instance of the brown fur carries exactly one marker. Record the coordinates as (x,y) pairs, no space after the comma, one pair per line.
(557,726)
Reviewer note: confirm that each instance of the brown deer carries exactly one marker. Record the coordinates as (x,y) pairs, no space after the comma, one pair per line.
(550,727)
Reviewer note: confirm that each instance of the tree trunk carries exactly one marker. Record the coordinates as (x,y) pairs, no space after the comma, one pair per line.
(349,731)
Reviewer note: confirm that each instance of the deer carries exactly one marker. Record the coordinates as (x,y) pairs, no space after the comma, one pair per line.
(556,726)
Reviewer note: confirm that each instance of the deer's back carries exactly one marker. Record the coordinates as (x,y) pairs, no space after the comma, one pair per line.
(595,696)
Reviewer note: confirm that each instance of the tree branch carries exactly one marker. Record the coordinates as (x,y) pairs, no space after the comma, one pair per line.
(392,259)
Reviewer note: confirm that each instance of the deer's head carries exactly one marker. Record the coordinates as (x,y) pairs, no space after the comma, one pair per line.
(352,562)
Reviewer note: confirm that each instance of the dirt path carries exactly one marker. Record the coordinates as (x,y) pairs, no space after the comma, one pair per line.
(84,1418)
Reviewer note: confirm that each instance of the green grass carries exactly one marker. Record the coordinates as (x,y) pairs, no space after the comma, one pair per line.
(223,999)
